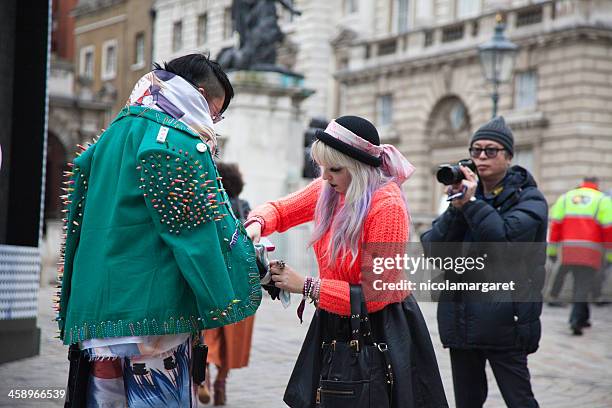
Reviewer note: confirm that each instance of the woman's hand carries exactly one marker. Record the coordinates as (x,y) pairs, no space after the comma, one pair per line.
(254,232)
(286,278)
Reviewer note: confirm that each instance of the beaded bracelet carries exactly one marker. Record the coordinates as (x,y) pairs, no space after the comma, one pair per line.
(316,290)
(307,286)
(312,288)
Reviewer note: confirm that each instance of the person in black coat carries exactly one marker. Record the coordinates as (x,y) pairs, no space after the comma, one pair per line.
(501,213)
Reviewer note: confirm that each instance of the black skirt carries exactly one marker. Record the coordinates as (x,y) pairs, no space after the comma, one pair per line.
(403,328)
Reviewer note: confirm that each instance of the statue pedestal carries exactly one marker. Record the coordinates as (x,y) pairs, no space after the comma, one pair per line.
(263,133)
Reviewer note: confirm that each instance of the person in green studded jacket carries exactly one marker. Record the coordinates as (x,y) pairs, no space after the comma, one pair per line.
(153,253)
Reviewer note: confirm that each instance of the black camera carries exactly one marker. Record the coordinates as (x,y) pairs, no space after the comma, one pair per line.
(448,174)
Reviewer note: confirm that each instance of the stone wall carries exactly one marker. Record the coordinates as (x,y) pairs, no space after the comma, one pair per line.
(563,138)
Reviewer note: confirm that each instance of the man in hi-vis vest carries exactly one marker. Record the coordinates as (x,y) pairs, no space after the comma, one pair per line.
(582,229)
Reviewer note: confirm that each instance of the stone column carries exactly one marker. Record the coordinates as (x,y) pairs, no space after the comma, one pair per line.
(263,133)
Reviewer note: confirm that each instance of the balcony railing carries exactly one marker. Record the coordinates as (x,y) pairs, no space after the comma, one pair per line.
(463,34)
(529,16)
(453,33)
(387,47)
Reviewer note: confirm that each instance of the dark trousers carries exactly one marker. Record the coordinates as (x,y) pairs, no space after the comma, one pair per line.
(584,277)
(599,282)
(510,371)
(558,282)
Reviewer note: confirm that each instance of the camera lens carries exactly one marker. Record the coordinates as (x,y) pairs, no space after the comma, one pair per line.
(448,174)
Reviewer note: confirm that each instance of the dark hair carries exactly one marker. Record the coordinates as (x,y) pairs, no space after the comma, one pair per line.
(591,179)
(201,71)
(232,178)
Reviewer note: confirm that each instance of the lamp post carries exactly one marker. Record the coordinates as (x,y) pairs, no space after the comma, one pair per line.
(497,58)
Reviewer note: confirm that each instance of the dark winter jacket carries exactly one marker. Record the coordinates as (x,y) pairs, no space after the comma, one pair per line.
(495,320)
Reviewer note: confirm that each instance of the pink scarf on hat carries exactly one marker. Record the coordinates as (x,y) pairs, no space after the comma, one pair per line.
(394,164)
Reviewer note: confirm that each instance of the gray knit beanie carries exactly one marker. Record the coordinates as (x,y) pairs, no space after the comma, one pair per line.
(496,130)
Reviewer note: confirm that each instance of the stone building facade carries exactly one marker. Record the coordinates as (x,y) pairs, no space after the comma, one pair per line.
(72,118)
(425,90)
(412,67)
(113,46)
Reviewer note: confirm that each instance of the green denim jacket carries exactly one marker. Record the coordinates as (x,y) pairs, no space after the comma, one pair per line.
(152,246)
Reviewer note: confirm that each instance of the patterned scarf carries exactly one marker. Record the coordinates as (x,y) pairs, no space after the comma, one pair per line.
(170,93)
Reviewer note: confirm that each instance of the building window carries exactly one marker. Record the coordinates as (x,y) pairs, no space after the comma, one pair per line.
(86,62)
(351,6)
(526,90)
(402,15)
(384,109)
(387,47)
(109,59)
(468,8)
(177,36)
(228,28)
(428,38)
(424,10)
(523,156)
(450,121)
(202,29)
(457,116)
(529,16)
(139,50)
(453,33)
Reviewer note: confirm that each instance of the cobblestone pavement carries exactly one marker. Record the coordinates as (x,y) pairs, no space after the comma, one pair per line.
(566,372)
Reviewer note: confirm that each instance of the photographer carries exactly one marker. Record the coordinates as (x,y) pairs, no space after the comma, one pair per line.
(502,205)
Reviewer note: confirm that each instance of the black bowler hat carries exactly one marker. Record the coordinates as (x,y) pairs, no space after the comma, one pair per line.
(362,128)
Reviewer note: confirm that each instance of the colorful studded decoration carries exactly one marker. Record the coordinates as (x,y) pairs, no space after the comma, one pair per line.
(180,191)
(184,195)
(151,327)
(73,198)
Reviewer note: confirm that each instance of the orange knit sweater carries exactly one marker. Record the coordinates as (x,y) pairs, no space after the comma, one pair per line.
(386,222)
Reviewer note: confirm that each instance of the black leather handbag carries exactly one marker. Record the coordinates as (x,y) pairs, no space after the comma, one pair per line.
(357,373)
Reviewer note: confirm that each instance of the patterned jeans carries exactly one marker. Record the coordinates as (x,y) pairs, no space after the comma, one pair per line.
(139,382)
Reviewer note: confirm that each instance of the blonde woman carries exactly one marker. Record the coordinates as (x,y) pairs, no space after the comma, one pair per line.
(357,201)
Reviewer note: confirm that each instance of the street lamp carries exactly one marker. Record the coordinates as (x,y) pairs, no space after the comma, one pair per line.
(497,57)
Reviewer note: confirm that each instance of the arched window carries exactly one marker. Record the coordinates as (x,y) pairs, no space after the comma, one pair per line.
(449,121)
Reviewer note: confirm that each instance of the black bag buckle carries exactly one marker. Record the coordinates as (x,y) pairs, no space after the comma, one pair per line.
(383,348)
(355,345)
(332,345)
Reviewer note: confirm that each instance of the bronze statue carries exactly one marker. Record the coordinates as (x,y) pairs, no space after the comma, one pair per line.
(256,22)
